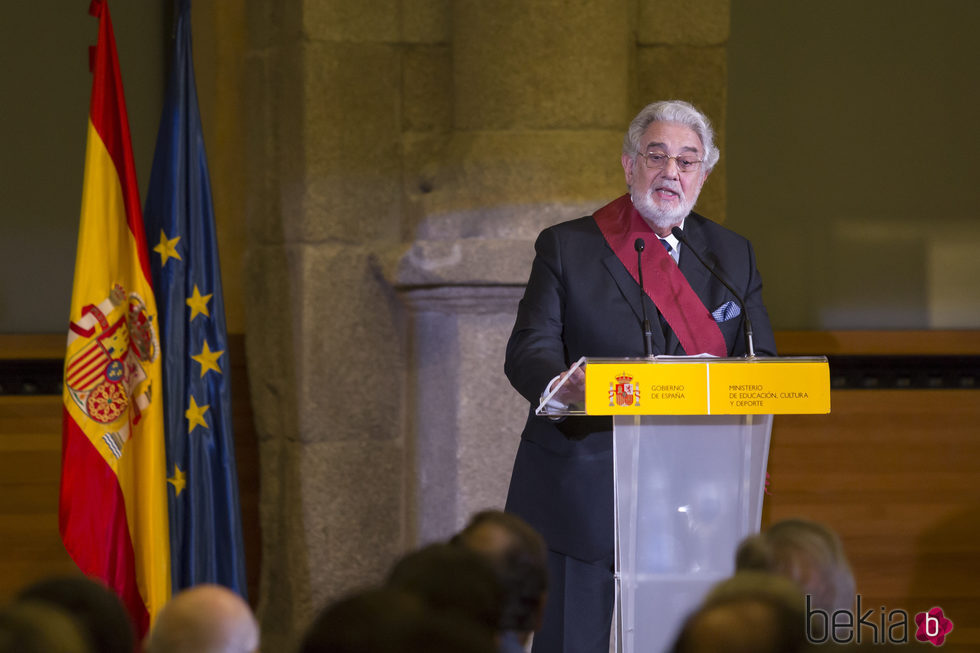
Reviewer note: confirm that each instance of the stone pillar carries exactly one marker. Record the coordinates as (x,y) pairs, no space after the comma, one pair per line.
(323,329)
(461,281)
(462,419)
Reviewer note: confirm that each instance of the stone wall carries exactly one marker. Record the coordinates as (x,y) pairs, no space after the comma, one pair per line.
(402,156)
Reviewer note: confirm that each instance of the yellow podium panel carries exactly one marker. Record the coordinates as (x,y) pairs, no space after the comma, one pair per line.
(707,387)
(646,388)
(739,388)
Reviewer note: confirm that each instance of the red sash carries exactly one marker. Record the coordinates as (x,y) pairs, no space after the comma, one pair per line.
(621,224)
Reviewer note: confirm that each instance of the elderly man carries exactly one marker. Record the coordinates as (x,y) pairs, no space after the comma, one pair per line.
(583,299)
(204,619)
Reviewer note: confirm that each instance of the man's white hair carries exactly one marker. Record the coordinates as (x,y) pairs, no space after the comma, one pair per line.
(677,111)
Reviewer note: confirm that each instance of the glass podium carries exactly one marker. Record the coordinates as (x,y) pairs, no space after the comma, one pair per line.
(691,445)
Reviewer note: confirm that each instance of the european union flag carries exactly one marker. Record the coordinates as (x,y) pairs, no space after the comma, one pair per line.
(205,517)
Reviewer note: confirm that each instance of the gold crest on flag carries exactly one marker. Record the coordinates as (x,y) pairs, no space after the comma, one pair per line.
(111,345)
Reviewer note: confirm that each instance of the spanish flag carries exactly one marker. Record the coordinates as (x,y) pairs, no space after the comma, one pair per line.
(113,507)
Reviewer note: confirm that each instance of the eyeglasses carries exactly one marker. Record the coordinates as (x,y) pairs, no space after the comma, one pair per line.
(658,161)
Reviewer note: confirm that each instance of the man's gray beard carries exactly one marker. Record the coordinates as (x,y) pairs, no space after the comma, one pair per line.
(661,218)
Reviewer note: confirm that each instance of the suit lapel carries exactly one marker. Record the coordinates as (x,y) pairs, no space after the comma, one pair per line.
(696,274)
(631,293)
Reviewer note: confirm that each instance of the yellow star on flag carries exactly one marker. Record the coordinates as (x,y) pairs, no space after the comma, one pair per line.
(167,249)
(208,359)
(178,480)
(198,304)
(195,416)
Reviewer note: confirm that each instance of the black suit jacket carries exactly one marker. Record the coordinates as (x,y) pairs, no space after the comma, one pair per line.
(582,301)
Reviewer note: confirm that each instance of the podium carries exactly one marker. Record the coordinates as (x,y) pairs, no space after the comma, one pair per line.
(691,444)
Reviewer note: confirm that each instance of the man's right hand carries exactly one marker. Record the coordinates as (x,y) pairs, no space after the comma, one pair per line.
(573,390)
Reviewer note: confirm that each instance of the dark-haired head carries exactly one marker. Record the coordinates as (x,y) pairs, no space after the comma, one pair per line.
(451,579)
(385,619)
(97,610)
(519,557)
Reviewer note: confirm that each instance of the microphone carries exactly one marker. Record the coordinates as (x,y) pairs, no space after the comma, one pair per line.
(750,345)
(639,246)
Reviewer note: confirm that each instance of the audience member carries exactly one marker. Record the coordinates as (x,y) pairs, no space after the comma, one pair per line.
(100,614)
(39,627)
(518,555)
(807,552)
(204,619)
(751,612)
(387,620)
(452,579)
